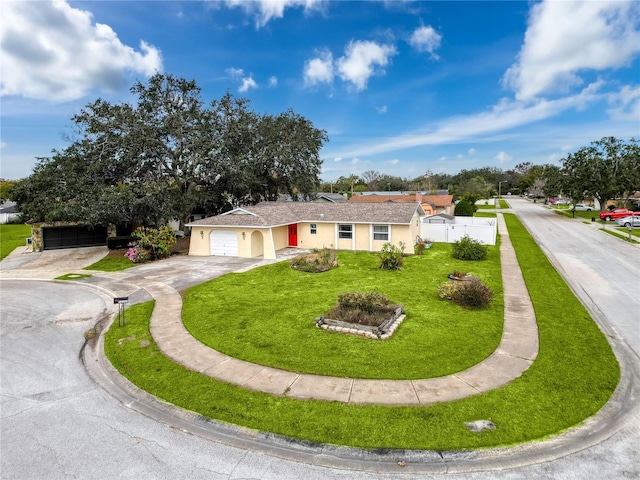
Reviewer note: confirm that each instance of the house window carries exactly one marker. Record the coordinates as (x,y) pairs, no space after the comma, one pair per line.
(345,231)
(381,232)
(313,229)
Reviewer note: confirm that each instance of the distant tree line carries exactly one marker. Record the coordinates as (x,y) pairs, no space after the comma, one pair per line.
(169,155)
(608,169)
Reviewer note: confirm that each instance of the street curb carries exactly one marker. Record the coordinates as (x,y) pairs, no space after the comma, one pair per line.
(622,409)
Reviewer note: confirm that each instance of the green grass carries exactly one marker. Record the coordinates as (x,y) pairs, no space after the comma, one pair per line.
(574,375)
(13,236)
(111,264)
(486,207)
(566,212)
(72,276)
(622,233)
(267,316)
(503,203)
(485,214)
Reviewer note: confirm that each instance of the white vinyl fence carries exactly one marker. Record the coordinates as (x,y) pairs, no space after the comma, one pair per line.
(483,230)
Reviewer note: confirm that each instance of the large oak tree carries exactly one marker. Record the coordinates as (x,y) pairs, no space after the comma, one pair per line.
(168,154)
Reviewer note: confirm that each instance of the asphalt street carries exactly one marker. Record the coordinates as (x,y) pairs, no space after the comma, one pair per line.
(58,423)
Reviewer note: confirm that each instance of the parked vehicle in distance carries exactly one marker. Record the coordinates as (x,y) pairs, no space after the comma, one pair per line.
(582,207)
(630,221)
(616,213)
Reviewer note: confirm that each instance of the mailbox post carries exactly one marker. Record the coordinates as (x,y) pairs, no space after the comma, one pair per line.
(121,301)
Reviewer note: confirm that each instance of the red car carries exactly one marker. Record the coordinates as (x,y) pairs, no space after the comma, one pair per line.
(616,213)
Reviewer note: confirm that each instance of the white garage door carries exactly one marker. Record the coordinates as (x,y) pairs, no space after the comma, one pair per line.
(224,243)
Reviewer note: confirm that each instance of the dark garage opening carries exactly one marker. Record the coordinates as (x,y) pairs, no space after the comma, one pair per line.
(70,237)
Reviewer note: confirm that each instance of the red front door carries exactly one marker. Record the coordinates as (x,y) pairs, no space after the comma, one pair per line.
(293,235)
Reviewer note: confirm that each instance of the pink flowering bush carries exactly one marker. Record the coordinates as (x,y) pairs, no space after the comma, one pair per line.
(150,244)
(137,254)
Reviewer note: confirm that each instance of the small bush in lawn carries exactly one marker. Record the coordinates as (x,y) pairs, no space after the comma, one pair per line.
(470,293)
(469,249)
(320,260)
(447,290)
(392,257)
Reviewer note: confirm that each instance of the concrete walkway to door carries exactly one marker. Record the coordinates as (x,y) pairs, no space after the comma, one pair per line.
(515,354)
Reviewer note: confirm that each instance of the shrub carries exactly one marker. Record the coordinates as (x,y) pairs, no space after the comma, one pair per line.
(137,254)
(316,262)
(464,209)
(470,293)
(363,308)
(157,241)
(392,257)
(469,249)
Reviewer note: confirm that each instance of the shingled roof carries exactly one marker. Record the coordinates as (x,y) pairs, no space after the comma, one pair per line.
(437,200)
(272,214)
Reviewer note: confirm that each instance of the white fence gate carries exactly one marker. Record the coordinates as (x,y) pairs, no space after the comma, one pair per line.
(483,230)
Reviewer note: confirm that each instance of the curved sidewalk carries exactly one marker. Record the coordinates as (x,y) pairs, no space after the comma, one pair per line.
(517,350)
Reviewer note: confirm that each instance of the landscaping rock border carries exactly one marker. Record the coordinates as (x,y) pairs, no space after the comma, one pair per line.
(383,332)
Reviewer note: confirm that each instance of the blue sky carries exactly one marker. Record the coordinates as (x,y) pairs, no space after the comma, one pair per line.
(401,87)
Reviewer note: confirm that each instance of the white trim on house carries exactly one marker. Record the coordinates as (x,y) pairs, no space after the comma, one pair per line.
(239,211)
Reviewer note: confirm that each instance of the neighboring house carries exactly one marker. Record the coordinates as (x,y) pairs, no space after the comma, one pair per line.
(8,213)
(261,230)
(330,197)
(431,204)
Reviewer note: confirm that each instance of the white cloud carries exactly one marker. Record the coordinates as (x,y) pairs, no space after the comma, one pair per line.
(266,10)
(235,72)
(51,51)
(382,109)
(355,160)
(273,82)
(472,151)
(337,159)
(506,115)
(395,161)
(247,84)
(319,70)
(625,104)
(426,39)
(362,60)
(459,156)
(566,38)
(503,157)
(3,145)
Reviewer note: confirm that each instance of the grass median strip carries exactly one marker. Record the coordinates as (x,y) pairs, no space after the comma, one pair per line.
(574,375)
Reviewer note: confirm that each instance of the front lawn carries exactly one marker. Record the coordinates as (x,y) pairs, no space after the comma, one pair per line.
(12,236)
(114,261)
(574,374)
(267,316)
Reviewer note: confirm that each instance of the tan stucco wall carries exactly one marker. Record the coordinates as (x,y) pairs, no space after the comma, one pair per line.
(249,246)
(280,237)
(324,237)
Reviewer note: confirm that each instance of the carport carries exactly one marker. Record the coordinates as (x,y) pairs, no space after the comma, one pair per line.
(73,236)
